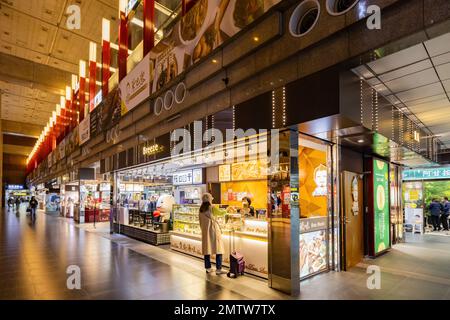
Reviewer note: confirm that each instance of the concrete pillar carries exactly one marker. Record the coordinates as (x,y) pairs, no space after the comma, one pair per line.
(284,221)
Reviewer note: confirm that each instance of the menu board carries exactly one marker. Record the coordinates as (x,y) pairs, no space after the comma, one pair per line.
(224,172)
(381,205)
(250,170)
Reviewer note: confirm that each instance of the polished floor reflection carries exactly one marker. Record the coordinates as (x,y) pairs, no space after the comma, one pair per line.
(34,257)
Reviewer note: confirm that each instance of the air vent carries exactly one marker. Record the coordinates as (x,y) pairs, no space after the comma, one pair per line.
(41,45)
(48,11)
(304,18)
(6,33)
(65,37)
(45,29)
(339,7)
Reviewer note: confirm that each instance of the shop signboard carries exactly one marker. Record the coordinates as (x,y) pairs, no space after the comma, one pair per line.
(84,129)
(224,173)
(426,174)
(204,27)
(15,187)
(71,188)
(188,177)
(154,149)
(381,205)
(135,87)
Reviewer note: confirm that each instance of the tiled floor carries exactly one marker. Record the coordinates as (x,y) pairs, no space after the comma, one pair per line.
(34,258)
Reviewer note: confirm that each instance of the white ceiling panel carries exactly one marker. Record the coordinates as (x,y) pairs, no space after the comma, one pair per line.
(444,71)
(441,59)
(421,92)
(438,45)
(414,80)
(416,67)
(418,108)
(399,59)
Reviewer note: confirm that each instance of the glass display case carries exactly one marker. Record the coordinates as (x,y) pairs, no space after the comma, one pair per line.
(247,235)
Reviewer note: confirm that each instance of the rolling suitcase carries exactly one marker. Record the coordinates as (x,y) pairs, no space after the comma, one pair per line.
(237,262)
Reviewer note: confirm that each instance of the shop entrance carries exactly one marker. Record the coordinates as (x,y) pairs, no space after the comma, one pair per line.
(353,218)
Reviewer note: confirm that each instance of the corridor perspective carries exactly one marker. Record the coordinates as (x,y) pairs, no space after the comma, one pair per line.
(35,256)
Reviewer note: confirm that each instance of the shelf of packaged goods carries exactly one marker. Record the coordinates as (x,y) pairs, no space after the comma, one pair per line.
(187,213)
(183,221)
(192,236)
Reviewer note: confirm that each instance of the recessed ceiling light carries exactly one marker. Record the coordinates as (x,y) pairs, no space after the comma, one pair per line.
(361,141)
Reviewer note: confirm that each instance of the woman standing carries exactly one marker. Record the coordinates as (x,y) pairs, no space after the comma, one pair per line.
(211,235)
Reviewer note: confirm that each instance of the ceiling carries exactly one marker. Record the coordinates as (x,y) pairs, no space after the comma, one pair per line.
(417,81)
(35,30)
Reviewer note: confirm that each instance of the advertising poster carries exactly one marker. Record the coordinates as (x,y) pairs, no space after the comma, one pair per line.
(205,27)
(135,87)
(313,252)
(84,129)
(110,110)
(381,205)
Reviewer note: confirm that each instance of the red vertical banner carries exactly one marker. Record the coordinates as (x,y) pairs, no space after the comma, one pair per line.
(149,26)
(106,56)
(123,45)
(81,99)
(81,90)
(92,74)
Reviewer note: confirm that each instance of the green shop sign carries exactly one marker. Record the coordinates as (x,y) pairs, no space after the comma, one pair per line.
(426,174)
(381,205)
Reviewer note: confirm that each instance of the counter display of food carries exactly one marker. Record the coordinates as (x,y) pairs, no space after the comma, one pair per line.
(247,235)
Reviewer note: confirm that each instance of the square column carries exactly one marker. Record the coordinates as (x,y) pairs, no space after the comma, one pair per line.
(284,215)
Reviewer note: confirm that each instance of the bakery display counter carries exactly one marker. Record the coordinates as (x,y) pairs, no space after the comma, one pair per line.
(247,236)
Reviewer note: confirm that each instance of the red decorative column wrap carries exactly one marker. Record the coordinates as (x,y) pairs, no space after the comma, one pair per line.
(82,98)
(92,85)
(149,26)
(123,45)
(106,56)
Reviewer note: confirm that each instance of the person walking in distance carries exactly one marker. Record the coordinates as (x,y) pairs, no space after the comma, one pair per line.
(211,235)
(33,206)
(445,213)
(435,208)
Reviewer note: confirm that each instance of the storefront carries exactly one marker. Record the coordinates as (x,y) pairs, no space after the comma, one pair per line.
(85,196)
(159,202)
(17,192)
(420,187)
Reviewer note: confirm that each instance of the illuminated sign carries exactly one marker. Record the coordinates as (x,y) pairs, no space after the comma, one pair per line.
(188,177)
(224,172)
(15,187)
(426,174)
(152,150)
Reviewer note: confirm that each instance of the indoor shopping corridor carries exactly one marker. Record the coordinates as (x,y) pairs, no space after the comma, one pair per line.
(34,258)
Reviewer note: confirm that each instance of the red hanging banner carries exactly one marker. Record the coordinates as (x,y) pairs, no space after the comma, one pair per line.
(123,45)
(149,25)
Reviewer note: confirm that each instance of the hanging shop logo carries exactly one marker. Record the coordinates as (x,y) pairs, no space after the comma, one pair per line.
(188,177)
(152,150)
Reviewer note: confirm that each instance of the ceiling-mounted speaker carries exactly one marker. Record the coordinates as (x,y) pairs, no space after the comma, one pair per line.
(304,18)
(339,7)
